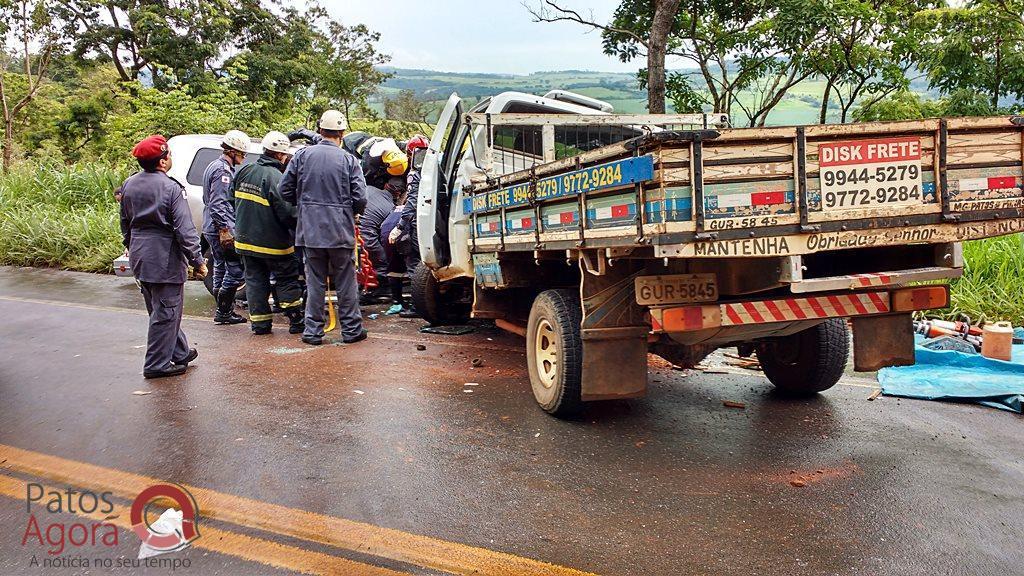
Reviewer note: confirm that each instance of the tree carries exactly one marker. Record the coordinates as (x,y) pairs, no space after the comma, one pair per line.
(748,54)
(32,31)
(906,105)
(654,41)
(407,107)
(865,52)
(348,74)
(282,57)
(978,46)
(172,41)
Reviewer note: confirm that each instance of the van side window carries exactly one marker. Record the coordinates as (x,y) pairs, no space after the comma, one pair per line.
(203,158)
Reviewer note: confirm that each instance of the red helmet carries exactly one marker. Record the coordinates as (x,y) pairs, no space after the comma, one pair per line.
(416,142)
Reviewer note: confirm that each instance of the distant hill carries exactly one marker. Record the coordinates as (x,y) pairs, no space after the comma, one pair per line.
(799,106)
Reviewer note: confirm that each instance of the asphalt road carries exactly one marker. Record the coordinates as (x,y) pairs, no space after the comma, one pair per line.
(379,458)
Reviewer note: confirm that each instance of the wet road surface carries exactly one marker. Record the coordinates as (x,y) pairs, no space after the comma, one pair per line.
(381,458)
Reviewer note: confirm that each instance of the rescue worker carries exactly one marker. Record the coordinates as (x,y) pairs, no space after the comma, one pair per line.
(162,242)
(381,159)
(396,264)
(263,238)
(379,204)
(326,185)
(403,236)
(219,225)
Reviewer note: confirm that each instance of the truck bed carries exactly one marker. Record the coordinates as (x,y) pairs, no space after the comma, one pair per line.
(764,192)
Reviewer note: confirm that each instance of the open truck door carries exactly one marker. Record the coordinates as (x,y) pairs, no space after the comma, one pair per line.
(434,201)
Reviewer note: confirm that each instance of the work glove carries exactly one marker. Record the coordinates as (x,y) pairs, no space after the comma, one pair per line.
(395,234)
(200,272)
(227,239)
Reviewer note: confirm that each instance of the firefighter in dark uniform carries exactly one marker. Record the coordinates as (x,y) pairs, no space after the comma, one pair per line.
(162,242)
(219,225)
(326,185)
(404,235)
(263,237)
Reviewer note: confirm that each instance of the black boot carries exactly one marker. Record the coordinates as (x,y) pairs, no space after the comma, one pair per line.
(296,323)
(226,308)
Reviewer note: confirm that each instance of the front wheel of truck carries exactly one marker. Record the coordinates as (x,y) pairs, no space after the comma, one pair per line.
(554,352)
(809,361)
(439,305)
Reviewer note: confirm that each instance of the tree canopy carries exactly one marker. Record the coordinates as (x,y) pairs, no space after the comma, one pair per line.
(114,70)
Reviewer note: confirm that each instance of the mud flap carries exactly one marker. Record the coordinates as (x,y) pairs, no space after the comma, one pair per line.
(614,334)
(881,341)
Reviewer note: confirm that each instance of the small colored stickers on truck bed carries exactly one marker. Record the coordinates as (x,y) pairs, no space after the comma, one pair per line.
(601,177)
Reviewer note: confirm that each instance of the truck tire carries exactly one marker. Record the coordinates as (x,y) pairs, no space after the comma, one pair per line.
(434,305)
(809,361)
(554,352)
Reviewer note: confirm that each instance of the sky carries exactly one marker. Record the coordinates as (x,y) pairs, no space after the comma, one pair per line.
(496,36)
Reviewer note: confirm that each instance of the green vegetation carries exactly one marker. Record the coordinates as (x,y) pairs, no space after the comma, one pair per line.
(60,216)
(992,287)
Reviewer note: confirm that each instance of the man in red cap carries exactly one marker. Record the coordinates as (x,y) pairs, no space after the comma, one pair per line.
(162,242)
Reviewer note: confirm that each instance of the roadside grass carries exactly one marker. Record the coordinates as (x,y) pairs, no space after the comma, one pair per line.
(992,287)
(60,216)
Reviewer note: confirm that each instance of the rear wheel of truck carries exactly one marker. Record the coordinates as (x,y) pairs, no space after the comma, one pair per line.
(554,352)
(809,361)
(437,304)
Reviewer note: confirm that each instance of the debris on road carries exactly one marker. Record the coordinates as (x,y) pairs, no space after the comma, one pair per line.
(142,392)
(421,347)
(477,362)
(359,392)
(734,404)
(471,384)
(456,330)
(875,393)
(797,483)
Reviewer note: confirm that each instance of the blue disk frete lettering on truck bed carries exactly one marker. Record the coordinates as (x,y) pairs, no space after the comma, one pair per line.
(601,177)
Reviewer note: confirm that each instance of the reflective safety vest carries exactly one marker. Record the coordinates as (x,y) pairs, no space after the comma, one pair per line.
(264,222)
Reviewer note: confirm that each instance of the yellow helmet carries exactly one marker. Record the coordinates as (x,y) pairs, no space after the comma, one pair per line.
(396,161)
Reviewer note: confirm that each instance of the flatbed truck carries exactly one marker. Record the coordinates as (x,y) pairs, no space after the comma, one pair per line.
(602,238)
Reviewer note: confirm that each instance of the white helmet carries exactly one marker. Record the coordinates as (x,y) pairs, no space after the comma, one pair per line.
(236,140)
(333,120)
(275,141)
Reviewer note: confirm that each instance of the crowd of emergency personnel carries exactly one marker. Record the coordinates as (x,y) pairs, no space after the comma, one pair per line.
(316,212)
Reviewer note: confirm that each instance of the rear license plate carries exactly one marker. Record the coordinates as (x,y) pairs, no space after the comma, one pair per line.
(676,289)
(870,173)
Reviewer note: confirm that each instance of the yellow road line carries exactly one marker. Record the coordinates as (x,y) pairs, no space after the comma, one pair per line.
(206,319)
(241,546)
(365,538)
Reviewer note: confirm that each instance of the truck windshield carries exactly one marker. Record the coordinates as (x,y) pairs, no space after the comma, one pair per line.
(520,147)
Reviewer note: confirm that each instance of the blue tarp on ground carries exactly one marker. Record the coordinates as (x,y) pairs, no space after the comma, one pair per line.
(959,377)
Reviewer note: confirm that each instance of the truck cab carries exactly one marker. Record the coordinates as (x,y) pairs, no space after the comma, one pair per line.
(453,161)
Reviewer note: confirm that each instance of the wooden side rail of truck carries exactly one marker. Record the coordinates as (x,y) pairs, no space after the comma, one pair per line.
(678,242)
